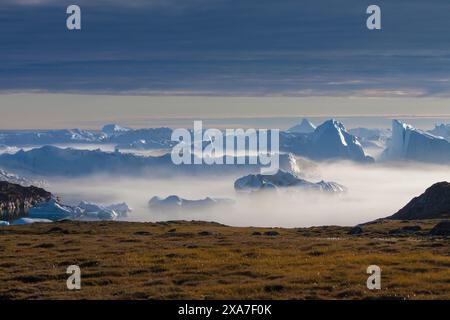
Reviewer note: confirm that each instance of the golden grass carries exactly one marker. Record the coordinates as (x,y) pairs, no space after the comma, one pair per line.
(177,261)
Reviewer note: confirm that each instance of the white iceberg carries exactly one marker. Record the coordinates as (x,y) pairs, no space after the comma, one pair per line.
(95,211)
(52,210)
(4,223)
(304,127)
(177,203)
(409,143)
(330,140)
(16,179)
(122,209)
(442,130)
(113,129)
(282,179)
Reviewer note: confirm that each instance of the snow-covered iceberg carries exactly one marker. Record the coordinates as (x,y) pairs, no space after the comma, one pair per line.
(53,210)
(330,140)
(24,138)
(101,212)
(176,203)
(54,161)
(4,223)
(303,127)
(122,209)
(442,130)
(282,179)
(149,138)
(94,211)
(409,143)
(114,129)
(372,137)
(20,180)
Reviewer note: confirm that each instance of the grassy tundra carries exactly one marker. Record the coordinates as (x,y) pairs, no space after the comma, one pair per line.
(199,260)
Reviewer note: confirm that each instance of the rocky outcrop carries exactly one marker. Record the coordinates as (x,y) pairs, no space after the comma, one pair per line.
(16,200)
(441,229)
(433,204)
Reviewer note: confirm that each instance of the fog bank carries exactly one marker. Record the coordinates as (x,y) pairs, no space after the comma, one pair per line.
(374,191)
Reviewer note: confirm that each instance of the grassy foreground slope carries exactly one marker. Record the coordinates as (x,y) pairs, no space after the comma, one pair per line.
(199,260)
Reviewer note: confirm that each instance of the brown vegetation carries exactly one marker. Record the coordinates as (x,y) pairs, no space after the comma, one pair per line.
(198,260)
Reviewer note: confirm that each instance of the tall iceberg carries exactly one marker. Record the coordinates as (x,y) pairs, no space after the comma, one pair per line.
(303,127)
(409,143)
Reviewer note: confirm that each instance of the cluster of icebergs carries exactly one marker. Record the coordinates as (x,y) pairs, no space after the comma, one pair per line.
(330,140)
(282,179)
(176,203)
(16,179)
(54,211)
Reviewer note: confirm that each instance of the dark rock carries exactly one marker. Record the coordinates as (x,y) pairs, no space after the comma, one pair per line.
(433,204)
(411,228)
(316,253)
(441,229)
(271,233)
(206,233)
(356,230)
(16,200)
(274,288)
(406,230)
(142,233)
(57,230)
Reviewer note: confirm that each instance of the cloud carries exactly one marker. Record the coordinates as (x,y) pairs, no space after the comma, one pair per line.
(225,47)
(99,3)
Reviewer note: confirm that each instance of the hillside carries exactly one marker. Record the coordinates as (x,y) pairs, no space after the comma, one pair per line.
(434,203)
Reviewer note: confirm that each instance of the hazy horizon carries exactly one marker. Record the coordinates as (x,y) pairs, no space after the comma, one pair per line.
(24,111)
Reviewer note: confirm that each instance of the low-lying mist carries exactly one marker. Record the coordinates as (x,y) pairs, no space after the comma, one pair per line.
(374,191)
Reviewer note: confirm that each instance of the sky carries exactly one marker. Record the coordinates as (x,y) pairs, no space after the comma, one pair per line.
(226,47)
(89,111)
(222,48)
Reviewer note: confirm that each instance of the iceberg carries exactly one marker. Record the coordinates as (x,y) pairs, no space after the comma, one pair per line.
(16,179)
(4,223)
(52,210)
(151,138)
(114,129)
(442,130)
(23,138)
(372,137)
(93,211)
(409,143)
(122,209)
(176,203)
(101,212)
(304,127)
(54,161)
(282,179)
(330,140)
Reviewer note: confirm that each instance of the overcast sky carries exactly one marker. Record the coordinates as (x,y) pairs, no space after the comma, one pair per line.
(227,47)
